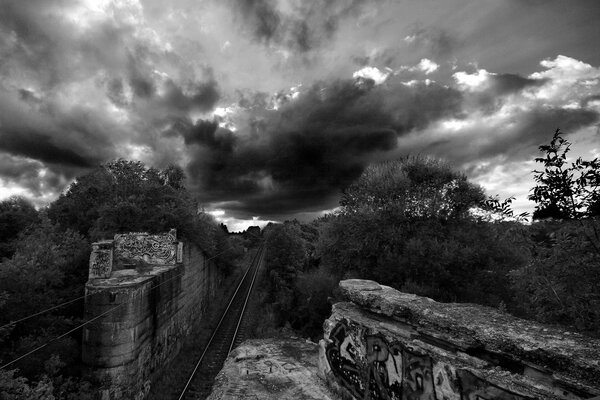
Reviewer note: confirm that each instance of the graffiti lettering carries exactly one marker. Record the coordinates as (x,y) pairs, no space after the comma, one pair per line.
(100,263)
(475,388)
(370,367)
(344,361)
(153,249)
(418,376)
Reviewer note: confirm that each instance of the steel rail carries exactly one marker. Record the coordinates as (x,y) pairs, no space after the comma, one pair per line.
(246,302)
(255,263)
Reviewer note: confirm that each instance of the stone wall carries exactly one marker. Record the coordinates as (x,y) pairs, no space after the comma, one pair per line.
(159,289)
(384,344)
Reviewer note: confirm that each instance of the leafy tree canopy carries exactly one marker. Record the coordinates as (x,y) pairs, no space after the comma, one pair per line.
(565,191)
(414,187)
(16,214)
(126,196)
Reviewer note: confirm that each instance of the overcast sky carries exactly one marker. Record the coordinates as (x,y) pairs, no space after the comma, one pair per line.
(271,107)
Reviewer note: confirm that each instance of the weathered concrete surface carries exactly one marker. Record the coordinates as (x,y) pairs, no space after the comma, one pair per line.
(396,345)
(277,369)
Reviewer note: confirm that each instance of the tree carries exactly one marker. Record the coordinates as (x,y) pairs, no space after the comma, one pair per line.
(414,187)
(560,283)
(253,235)
(174,176)
(408,224)
(49,266)
(16,214)
(563,191)
(495,209)
(284,260)
(125,196)
(297,290)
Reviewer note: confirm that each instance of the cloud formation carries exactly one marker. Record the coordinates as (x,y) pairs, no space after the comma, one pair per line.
(272,107)
(299,156)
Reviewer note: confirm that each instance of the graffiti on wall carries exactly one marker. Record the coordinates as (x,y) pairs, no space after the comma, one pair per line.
(371,367)
(152,249)
(101,260)
(475,388)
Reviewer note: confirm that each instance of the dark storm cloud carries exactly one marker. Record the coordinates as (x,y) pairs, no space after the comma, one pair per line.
(30,174)
(28,96)
(41,36)
(115,91)
(208,134)
(18,169)
(86,82)
(142,87)
(304,27)
(43,132)
(536,128)
(40,147)
(202,97)
(61,68)
(502,84)
(587,100)
(516,143)
(311,147)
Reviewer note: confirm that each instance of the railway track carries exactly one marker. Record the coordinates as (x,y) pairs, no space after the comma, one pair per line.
(230,331)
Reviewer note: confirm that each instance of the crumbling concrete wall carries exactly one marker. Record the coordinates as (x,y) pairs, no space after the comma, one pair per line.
(384,344)
(154,294)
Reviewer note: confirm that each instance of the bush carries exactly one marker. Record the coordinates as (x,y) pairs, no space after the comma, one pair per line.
(560,283)
(459,261)
(16,215)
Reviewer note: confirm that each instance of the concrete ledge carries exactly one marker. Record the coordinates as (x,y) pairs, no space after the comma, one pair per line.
(405,345)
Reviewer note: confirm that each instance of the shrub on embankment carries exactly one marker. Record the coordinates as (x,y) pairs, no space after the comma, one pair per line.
(410,224)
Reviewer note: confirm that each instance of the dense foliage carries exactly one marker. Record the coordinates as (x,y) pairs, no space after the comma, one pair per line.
(563,191)
(48,267)
(408,225)
(125,196)
(16,214)
(46,263)
(297,289)
(412,188)
(418,226)
(561,283)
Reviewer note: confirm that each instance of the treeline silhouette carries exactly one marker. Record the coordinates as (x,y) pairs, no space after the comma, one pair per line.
(418,226)
(44,262)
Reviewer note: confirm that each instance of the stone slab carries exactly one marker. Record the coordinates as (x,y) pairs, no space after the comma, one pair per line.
(272,369)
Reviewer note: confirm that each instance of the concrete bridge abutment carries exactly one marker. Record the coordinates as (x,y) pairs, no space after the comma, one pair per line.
(152,291)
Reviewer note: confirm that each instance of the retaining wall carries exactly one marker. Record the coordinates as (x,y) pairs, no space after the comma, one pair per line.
(160,290)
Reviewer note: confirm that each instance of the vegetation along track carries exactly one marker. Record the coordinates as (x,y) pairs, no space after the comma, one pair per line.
(229,333)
